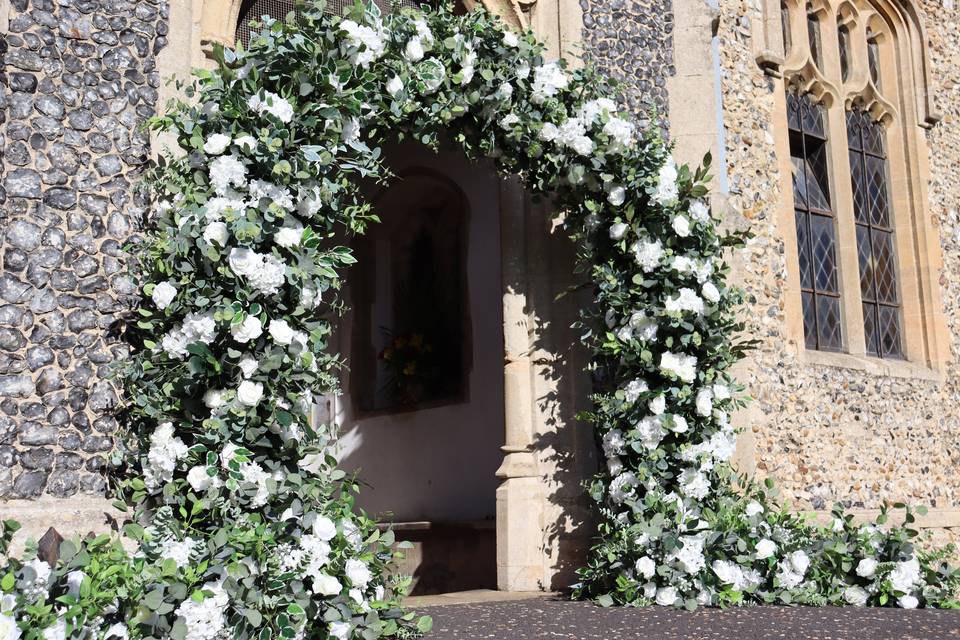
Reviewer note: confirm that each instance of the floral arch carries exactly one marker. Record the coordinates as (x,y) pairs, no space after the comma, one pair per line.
(243,526)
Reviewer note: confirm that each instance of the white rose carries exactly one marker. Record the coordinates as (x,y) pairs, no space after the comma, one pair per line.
(505,91)
(867,568)
(249,393)
(163,294)
(856,596)
(908,602)
(753,508)
(249,329)
(617,196)
(216,232)
(645,567)
(800,561)
(326,585)
(281,332)
(394,86)
(765,549)
(681,226)
(340,630)
(248,365)
(214,398)
(244,261)
(414,49)
(658,405)
(357,572)
(324,528)
(680,424)
(666,596)
(710,292)
(618,230)
(216,144)
(510,39)
(199,479)
(247,143)
(288,237)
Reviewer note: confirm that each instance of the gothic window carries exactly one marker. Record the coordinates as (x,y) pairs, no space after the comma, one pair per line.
(816,231)
(856,207)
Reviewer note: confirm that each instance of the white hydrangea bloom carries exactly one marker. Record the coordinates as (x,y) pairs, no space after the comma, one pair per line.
(644,327)
(699,211)
(414,49)
(614,443)
(648,254)
(548,132)
(704,402)
(161,461)
(217,206)
(216,144)
(621,134)
(651,431)
(694,484)
(205,620)
(180,551)
(622,487)
(163,294)
(680,365)
(280,108)
(633,389)
(367,43)
(278,195)
(196,327)
(200,480)
(690,556)
(667,190)
(227,171)
(905,576)
(265,273)
(686,300)
(548,80)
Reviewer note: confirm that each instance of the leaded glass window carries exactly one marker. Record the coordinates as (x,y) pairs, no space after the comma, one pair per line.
(815,225)
(813,35)
(843,38)
(873,61)
(875,243)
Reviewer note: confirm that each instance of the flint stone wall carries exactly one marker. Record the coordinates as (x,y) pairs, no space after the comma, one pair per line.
(77,80)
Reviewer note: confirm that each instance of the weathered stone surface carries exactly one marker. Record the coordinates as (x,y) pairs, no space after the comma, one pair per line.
(80,79)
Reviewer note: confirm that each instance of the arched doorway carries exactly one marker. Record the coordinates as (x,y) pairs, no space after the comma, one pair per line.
(422,413)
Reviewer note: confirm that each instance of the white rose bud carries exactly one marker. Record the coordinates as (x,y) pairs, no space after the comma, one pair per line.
(248,365)
(414,50)
(199,479)
(710,293)
(288,237)
(617,196)
(765,549)
(326,585)
(681,226)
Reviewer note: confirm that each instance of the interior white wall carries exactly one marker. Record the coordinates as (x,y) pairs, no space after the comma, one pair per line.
(439,464)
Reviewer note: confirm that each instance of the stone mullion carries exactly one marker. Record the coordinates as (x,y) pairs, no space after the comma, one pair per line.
(842,191)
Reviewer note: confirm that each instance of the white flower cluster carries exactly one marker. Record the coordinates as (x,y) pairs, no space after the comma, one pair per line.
(264,272)
(365,44)
(667,190)
(34,580)
(182,552)
(278,107)
(196,327)
(206,619)
(8,618)
(165,450)
(548,80)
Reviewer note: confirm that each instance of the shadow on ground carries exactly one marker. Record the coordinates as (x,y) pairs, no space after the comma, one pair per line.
(555,619)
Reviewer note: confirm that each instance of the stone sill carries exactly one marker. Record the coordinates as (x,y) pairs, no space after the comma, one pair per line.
(873,366)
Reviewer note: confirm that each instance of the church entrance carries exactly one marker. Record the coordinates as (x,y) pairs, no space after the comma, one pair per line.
(422,414)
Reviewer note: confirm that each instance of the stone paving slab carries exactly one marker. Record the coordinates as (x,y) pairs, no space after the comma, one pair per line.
(555,619)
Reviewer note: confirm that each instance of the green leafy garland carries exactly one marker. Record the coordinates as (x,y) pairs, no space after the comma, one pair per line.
(244,527)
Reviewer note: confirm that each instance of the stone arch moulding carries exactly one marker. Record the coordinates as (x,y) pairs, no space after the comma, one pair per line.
(218,18)
(904,16)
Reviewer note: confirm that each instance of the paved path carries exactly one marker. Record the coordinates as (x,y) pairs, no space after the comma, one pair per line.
(554,619)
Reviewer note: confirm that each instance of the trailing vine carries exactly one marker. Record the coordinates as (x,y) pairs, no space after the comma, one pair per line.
(243,527)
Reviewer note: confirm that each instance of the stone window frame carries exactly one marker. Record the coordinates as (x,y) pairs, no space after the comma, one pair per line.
(905,108)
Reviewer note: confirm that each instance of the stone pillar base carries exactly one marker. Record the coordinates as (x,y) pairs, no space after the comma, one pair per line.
(520,554)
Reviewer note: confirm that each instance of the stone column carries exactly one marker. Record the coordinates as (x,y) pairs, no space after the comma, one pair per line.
(519,497)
